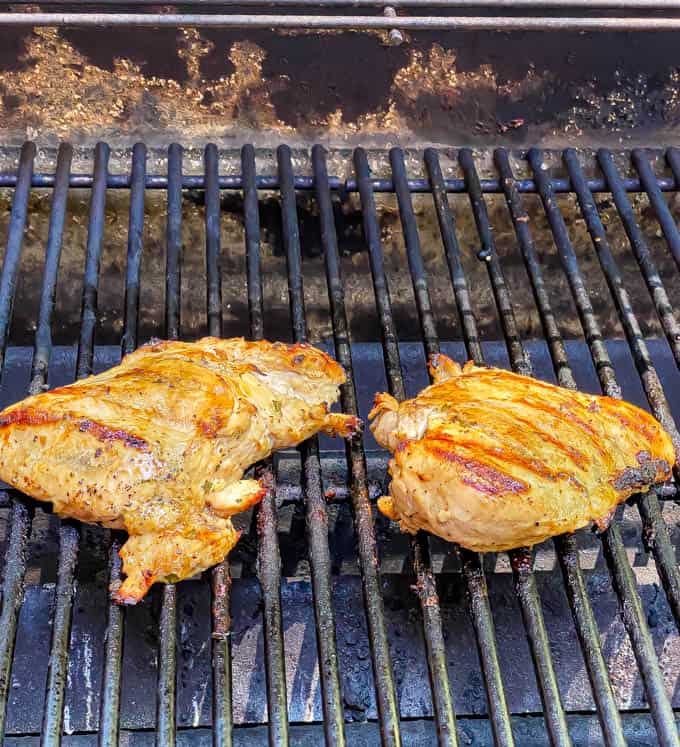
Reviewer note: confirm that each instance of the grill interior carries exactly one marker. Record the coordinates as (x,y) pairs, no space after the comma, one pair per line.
(335,626)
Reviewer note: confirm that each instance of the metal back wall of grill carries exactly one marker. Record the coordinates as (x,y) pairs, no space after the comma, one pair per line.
(559,264)
(468,71)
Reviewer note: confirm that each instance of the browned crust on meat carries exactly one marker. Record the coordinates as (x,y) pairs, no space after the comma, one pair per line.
(32,417)
(104,434)
(476,473)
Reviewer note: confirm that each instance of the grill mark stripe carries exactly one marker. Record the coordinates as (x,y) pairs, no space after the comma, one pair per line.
(584,429)
(462,394)
(483,477)
(25,416)
(577,457)
(507,456)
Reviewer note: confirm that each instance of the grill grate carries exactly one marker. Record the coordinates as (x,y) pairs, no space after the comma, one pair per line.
(269,563)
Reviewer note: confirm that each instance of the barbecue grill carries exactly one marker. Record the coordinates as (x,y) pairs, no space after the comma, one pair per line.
(326,623)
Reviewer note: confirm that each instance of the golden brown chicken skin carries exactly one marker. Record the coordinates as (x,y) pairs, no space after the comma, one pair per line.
(493,460)
(158,445)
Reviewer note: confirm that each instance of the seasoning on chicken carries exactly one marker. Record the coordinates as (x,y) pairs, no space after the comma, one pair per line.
(158,445)
(493,461)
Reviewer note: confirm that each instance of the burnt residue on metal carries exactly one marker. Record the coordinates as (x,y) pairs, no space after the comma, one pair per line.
(437,87)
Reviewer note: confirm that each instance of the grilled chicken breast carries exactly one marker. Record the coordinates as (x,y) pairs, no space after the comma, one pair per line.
(158,445)
(492,460)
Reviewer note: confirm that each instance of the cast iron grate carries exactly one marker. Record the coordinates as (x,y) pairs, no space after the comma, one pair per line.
(269,565)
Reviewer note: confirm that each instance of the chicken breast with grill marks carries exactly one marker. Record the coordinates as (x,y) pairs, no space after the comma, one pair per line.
(158,445)
(493,461)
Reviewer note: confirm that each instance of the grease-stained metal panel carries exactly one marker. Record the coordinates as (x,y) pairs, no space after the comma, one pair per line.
(338,86)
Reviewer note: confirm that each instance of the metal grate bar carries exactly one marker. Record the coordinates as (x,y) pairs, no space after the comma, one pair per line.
(663,213)
(15,236)
(673,160)
(20,517)
(388,707)
(134,249)
(425,582)
(95,235)
(655,529)
(567,554)
(212,241)
(447,230)
(520,220)
(495,22)
(58,663)
(521,559)
(589,322)
(253,250)
(109,710)
(43,335)
(643,362)
(473,572)
(197,181)
(173,267)
(19,530)
(166,729)
(541,5)
(221,580)
(167,668)
(656,536)
(588,633)
(268,553)
(317,519)
(624,581)
(414,255)
(109,714)
(641,252)
(635,620)
(68,533)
